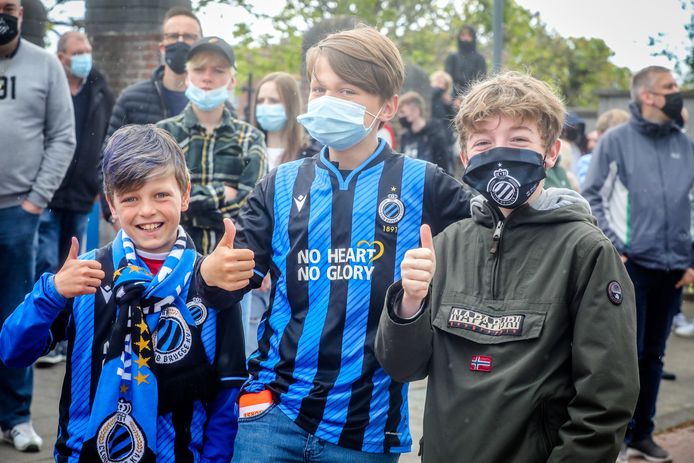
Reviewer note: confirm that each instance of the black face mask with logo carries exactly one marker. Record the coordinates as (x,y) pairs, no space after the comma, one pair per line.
(8,28)
(506,177)
(175,56)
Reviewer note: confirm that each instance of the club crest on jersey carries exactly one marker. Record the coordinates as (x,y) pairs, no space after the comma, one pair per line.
(391,210)
(503,188)
(197,310)
(119,438)
(172,338)
(506,325)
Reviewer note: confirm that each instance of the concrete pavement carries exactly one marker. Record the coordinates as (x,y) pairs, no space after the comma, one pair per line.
(675,408)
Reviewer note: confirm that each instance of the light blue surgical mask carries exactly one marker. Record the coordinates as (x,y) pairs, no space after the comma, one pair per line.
(335,122)
(271,117)
(81,65)
(207,100)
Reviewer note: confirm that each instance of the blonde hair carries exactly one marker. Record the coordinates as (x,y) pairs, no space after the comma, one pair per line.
(414,99)
(445,76)
(203,57)
(610,119)
(288,90)
(514,95)
(362,57)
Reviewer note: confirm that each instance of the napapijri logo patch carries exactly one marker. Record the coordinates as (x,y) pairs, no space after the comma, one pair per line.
(466,319)
(614,292)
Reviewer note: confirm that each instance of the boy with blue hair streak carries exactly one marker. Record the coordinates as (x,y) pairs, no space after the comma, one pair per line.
(331,230)
(155,356)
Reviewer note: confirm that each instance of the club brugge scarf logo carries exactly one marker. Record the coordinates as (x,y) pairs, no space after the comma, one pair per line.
(120,439)
(197,310)
(391,210)
(172,338)
(503,188)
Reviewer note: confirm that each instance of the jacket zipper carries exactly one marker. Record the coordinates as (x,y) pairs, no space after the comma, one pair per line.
(496,241)
(665,205)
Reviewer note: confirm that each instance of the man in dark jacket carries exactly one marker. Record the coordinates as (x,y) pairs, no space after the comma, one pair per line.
(422,139)
(638,185)
(163,95)
(66,215)
(467,64)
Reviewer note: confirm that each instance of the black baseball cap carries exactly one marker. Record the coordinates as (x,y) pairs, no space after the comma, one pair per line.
(213,44)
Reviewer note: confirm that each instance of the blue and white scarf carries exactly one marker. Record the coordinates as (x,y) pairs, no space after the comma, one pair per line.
(154,359)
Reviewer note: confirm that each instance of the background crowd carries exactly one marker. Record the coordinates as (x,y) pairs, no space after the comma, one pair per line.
(57,112)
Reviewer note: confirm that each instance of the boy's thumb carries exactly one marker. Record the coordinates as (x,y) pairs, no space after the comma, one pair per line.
(229,234)
(425,237)
(74,249)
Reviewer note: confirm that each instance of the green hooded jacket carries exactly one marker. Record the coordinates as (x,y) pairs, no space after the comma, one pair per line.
(528,338)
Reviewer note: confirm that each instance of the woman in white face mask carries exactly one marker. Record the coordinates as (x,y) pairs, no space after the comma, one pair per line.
(226,157)
(277,103)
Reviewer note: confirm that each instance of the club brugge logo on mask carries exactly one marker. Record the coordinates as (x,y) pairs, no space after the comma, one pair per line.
(197,310)
(391,209)
(120,439)
(172,338)
(503,188)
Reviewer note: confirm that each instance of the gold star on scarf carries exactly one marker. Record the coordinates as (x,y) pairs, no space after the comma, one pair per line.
(142,344)
(140,378)
(143,327)
(123,389)
(118,272)
(142,361)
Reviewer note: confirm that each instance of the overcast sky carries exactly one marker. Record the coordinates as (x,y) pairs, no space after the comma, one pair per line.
(624,25)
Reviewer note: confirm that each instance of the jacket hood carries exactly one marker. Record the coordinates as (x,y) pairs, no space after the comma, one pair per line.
(555,205)
(648,128)
(158,74)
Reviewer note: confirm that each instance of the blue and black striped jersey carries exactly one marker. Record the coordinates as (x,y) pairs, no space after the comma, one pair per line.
(196,429)
(332,242)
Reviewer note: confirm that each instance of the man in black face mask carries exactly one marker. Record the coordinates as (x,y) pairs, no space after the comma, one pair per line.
(467,64)
(163,95)
(638,186)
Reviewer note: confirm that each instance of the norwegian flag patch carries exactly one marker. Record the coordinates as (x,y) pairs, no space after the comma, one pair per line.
(481,363)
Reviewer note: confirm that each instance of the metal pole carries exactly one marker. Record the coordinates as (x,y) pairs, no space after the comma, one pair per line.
(498,32)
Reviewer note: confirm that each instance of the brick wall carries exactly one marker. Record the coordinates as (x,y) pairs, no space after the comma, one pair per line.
(125,36)
(126,59)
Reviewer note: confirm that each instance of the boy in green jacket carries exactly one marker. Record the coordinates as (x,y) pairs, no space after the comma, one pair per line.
(527,330)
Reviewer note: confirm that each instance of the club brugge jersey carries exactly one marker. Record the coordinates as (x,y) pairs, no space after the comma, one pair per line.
(332,242)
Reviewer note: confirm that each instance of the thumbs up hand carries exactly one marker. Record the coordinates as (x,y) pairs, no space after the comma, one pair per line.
(78,277)
(228,268)
(417,270)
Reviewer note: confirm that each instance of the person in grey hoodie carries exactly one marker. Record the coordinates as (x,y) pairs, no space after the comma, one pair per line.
(638,185)
(522,316)
(37,142)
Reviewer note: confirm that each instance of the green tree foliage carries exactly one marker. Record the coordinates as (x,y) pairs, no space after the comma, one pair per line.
(425,33)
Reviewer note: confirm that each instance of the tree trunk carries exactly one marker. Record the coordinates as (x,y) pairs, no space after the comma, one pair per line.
(125,36)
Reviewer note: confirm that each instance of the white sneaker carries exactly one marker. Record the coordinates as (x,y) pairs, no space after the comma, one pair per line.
(24,438)
(623,456)
(686,330)
(679,320)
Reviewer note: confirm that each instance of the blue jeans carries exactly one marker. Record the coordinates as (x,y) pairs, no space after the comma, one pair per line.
(272,437)
(56,229)
(657,301)
(17,259)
